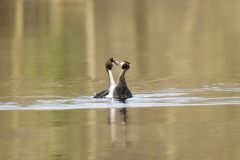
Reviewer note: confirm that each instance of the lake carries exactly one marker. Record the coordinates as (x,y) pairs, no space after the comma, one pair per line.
(184,76)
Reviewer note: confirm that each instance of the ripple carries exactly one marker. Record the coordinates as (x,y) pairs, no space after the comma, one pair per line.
(208,95)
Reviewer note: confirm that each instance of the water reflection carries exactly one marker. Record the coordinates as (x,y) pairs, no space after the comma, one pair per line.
(118,123)
(117,118)
(90,39)
(148,133)
(92,135)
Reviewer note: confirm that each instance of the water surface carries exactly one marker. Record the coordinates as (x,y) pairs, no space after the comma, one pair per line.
(184,77)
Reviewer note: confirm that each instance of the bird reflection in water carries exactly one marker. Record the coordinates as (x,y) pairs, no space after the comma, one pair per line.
(118,126)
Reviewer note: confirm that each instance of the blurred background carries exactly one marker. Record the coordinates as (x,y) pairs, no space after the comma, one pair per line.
(60,47)
(57,49)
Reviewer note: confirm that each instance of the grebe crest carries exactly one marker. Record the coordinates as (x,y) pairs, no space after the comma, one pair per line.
(125,65)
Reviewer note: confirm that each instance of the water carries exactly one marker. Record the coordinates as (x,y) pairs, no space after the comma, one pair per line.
(184,77)
(218,94)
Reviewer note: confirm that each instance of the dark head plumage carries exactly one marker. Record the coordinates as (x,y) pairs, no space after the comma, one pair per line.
(109,64)
(125,65)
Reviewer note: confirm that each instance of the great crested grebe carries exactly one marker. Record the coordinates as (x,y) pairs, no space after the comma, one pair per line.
(112,84)
(121,90)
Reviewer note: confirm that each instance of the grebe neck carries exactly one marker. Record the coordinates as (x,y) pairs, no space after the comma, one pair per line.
(121,79)
(111,80)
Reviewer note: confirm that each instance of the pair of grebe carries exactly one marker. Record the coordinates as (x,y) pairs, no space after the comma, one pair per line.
(119,90)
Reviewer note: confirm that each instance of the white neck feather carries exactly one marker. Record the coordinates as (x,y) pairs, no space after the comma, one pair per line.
(112,84)
(111,79)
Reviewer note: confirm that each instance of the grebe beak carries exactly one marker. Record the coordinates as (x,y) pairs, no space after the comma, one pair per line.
(117,63)
(122,63)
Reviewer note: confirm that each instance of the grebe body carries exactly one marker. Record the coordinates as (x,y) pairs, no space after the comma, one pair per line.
(121,90)
(109,92)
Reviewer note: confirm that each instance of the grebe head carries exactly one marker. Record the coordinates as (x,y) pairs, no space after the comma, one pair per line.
(110,64)
(125,65)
